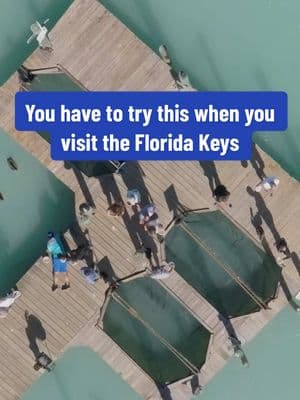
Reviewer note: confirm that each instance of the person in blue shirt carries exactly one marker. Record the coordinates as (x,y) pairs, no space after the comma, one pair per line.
(60,268)
(54,245)
(59,260)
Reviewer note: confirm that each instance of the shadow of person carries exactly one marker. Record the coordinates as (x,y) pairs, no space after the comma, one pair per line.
(84,187)
(264,212)
(34,331)
(146,241)
(195,385)
(164,391)
(296,261)
(210,171)
(113,195)
(257,163)
(82,243)
(228,326)
(110,189)
(282,281)
(106,270)
(288,294)
(256,219)
(172,200)
(234,340)
(133,177)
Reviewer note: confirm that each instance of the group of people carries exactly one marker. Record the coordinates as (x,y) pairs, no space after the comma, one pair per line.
(267,184)
(149,219)
(60,258)
(148,216)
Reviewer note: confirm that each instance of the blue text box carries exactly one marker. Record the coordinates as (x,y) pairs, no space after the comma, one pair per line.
(151,125)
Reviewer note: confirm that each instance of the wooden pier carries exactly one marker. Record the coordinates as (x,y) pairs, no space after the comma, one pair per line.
(102,54)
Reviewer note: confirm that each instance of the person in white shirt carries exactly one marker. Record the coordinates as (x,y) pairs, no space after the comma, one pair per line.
(133,198)
(148,215)
(267,184)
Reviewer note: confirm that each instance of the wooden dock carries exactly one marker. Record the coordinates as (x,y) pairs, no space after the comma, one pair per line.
(104,55)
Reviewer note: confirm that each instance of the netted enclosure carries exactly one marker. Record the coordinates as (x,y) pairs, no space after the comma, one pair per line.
(222,263)
(156,331)
(60,81)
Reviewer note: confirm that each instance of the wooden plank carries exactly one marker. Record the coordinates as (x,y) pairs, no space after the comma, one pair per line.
(104,55)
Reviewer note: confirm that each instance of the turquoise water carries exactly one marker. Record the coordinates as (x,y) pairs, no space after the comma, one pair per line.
(34,202)
(273,373)
(229,45)
(80,375)
(16,16)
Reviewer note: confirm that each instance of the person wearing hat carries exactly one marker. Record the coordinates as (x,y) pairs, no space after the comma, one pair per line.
(267,184)
(134,198)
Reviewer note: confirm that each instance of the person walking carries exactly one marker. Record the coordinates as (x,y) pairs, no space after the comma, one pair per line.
(268,184)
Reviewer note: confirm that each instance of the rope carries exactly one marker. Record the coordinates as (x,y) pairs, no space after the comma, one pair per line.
(227,269)
(103,309)
(134,313)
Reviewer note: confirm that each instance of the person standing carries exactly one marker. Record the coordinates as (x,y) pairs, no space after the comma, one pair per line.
(134,198)
(148,214)
(268,184)
(60,268)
